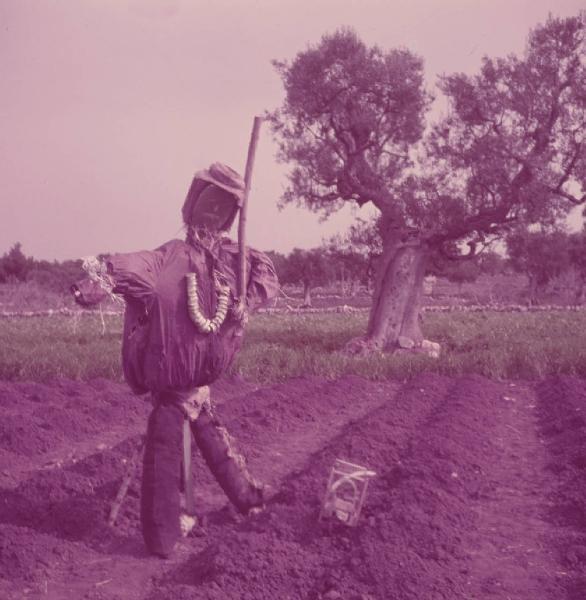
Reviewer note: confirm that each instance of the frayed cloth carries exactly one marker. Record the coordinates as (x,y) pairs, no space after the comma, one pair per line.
(190,403)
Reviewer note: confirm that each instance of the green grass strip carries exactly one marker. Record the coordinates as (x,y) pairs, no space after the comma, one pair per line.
(279,347)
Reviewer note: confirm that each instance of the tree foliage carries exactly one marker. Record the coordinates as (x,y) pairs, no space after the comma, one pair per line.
(279,262)
(456,271)
(350,115)
(510,150)
(307,267)
(577,252)
(541,255)
(546,255)
(16,267)
(491,262)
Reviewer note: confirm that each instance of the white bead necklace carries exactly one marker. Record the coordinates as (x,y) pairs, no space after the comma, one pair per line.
(203,324)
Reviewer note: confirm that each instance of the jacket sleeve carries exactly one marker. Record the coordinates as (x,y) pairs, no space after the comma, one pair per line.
(263,284)
(134,274)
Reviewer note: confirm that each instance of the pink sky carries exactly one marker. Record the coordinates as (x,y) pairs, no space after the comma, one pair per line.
(108,107)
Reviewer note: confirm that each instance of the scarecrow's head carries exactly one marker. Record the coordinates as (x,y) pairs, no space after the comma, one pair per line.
(213,199)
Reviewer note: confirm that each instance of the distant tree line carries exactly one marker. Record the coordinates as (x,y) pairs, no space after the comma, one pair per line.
(346,263)
(16,267)
(548,256)
(327,265)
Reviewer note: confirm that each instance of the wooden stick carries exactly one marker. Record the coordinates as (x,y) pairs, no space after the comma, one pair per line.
(130,469)
(242,222)
(187,474)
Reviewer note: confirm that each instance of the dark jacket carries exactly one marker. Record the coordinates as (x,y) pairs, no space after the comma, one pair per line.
(162,348)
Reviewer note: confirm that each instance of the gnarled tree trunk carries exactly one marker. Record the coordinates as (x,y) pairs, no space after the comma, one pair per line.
(397,298)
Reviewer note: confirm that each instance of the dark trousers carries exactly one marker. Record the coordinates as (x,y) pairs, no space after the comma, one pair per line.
(161,477)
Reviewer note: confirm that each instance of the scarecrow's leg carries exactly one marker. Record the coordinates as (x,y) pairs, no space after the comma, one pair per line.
(161,475)
(227,466)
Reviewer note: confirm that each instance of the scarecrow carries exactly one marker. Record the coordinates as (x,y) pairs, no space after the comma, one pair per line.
(183,326)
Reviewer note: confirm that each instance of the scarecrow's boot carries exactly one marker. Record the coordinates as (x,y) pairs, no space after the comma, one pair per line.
(161,479)
(227,466)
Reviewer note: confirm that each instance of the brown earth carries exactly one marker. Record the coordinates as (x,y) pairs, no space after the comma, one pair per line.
(479,493)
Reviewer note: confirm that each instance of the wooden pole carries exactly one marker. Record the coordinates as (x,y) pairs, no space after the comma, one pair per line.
(130,470)
(242,222)
(187,474)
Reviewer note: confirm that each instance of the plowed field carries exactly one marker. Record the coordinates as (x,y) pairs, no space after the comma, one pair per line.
(480,493)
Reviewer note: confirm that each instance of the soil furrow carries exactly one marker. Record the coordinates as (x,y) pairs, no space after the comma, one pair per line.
(511,551)
(479,494)
(562,416)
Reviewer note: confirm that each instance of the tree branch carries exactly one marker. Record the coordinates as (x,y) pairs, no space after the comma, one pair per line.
(570,197)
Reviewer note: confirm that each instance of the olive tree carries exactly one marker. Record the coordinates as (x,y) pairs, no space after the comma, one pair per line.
(307,267)
(508,152)
(540,255)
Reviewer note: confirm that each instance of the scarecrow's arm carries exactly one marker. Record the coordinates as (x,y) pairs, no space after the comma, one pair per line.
(134,274)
